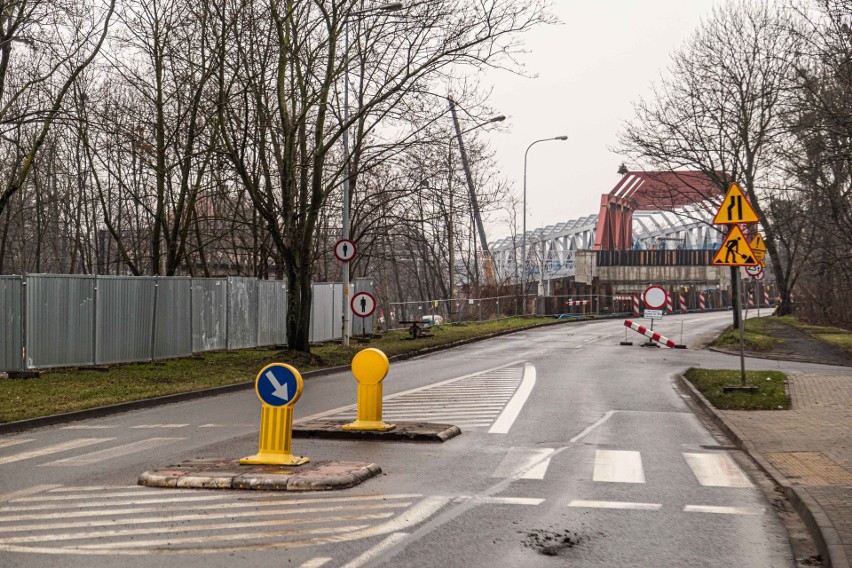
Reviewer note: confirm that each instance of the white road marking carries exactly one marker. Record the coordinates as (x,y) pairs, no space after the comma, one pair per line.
(588,430)
(618,467)
(15,442)
(502,500)
(722,510)
(88,427)
(526,463)
(716,470)
(316,562)
(117,451)
(377,550)
(616,505)
(16,495)
(54,449)
(510,413)
(150,426)
(56,506)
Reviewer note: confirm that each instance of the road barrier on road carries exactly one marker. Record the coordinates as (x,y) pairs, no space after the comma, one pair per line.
(654,336)
(370,367)
(669,305)
(635,304)
(702,303)
(682,302)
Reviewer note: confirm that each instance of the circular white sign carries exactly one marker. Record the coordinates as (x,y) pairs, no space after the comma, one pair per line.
(363,304)
(654,297)
(754,270)
(344,250)
(759,275)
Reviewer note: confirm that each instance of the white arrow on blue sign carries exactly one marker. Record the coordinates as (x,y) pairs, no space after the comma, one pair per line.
(278,385)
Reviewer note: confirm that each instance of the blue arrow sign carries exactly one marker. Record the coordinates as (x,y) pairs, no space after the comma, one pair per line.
(278,385)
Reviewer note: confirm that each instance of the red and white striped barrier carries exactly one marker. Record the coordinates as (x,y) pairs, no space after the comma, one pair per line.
(635,304)
(651,334)
(682,302)
(570,303)
(766,296)
(751,300)
(669,305)
(702,303)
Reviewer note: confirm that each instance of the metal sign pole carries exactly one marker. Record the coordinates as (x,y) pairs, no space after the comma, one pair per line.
(742,327)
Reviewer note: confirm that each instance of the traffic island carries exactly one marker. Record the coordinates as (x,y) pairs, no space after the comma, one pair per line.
(402,432)
(226,473)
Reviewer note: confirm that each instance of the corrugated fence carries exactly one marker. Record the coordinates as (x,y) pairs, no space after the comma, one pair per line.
(52,320)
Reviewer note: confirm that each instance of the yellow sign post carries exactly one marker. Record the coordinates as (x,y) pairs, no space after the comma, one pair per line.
(370,368)
(278,386)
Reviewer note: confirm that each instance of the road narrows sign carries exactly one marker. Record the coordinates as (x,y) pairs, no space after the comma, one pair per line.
(735,208)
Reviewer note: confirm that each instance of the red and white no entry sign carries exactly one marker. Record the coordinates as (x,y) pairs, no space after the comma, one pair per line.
(344,250)
(363,304)
(654,297)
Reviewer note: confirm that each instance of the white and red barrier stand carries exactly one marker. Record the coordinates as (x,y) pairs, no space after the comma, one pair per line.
(669,305)
(635,304)
(571,303)
(766,296)
(653,335)
(751,300)
(702,303)
(682,303)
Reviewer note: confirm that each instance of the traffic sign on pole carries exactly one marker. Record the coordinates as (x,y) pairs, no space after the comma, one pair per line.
(735,208)
(344,250)
(735,251)
(363,304)
(654,297)
(278,386)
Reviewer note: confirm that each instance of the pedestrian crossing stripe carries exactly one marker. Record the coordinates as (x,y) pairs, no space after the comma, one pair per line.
(735,251)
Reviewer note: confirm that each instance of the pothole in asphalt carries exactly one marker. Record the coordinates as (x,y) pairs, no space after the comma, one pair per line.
(551,542)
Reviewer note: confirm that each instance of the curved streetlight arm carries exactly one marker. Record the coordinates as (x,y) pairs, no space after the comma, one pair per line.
(524,233)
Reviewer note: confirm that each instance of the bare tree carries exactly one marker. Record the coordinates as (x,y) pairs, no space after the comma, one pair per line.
(720,111)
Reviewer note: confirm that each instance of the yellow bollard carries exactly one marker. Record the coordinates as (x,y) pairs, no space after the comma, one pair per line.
(278,386)
(370,368)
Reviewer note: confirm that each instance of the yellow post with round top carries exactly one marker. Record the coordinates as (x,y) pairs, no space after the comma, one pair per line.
(370,368)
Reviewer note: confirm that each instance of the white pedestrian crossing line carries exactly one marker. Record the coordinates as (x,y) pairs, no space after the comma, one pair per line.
(110,453)
(615,505)
(53,449)
(152,426)
(478,400)
(716,470)
(722,510)
(14,442)
(129,520)
(618,467)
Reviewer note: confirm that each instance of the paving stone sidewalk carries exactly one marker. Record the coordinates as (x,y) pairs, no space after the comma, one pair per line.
(808,449)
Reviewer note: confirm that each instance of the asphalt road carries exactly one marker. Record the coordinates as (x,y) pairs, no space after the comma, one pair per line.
(575,451)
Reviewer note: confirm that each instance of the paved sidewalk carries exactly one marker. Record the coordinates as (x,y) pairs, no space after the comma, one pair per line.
(808,451)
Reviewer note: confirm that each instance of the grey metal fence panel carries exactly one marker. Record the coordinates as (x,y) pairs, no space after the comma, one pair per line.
(271,312)
(173,319)
(125,319)
(326,312)
(209,314)
(242,312)
(60,320)
(11,344)
(364,325)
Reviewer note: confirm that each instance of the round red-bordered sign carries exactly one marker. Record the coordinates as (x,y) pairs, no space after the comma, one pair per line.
(344,250)
(654,297)
(363,304)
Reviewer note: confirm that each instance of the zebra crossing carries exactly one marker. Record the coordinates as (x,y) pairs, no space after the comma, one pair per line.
(139,520)
(489,399)
(83,459)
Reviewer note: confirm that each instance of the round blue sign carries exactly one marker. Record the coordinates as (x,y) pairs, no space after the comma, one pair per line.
(278,384)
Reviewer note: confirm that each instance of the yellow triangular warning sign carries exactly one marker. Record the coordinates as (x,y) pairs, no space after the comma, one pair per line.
(735,251)
(735,208)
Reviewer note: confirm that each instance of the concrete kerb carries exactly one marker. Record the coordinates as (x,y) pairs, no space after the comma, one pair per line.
(822,530)
(101,411)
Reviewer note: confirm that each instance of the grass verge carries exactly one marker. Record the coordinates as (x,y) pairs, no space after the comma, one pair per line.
(770,393)
(68,390)
(836,336)
(756,336)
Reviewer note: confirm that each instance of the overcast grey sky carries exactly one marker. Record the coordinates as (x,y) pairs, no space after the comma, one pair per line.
(590,69)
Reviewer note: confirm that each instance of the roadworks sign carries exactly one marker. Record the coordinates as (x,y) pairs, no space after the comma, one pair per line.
(735,251)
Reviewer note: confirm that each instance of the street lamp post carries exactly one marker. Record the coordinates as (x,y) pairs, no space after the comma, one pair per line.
(524,234)
(390,7)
